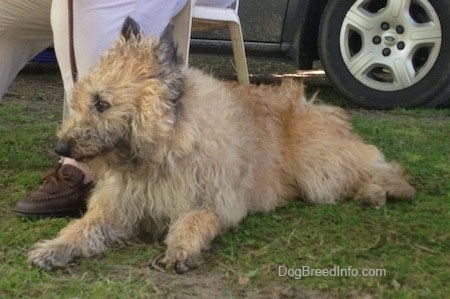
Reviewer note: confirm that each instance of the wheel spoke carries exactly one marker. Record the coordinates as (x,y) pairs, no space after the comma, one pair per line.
(360,63)
(396,7)
(421,35)
(403,74)
(358,19)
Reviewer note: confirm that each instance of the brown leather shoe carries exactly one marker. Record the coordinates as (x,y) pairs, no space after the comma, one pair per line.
(62,194)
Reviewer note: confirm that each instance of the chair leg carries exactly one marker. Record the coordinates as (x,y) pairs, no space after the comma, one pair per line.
(237,42)
(66,107)
(182,24)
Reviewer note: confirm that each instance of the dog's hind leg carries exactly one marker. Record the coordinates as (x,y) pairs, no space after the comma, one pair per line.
(385,182)
(188,236)
(371,195)
(393,181)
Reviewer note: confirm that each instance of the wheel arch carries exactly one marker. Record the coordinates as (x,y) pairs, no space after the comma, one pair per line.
(304,45)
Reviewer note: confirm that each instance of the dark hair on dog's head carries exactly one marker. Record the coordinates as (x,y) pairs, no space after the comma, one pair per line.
(166,52)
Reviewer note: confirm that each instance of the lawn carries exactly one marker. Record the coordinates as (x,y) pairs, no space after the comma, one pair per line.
(398,251)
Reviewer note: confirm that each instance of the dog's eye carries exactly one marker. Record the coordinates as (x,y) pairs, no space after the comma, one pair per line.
(100,105)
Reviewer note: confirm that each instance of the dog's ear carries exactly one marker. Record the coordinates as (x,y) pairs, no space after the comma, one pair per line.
(166,49)
(169,70)
(131,29)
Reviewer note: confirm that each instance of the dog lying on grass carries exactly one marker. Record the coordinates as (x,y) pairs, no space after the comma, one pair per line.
(176,152)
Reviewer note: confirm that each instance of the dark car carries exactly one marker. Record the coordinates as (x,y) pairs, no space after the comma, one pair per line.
(378,53)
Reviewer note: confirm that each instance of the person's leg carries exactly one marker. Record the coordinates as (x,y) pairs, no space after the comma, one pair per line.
(78,46)
(97,24)
(64,190)
(24,32)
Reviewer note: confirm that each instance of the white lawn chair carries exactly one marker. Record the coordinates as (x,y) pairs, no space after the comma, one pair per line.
(206,18)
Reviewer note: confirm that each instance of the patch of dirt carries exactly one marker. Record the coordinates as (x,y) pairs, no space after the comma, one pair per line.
(200,285)
(212,284)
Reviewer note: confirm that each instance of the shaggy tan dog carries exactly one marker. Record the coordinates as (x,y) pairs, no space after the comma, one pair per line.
(175,151)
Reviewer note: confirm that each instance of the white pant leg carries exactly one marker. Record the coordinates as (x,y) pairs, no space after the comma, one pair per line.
(24,32)
(97,24)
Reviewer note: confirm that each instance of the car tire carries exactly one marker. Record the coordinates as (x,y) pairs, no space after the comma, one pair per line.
(384,54)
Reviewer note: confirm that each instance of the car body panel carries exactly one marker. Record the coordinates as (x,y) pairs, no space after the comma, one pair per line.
(285,26)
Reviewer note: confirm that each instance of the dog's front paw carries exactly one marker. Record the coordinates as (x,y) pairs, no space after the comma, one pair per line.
(177,258)
(49,255)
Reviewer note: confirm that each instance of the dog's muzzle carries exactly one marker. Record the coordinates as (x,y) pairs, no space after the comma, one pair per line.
(62,148)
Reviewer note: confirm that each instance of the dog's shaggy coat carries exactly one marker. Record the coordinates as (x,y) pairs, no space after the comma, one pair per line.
(175,151)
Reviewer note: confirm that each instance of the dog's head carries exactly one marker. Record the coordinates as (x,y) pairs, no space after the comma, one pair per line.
(128,103)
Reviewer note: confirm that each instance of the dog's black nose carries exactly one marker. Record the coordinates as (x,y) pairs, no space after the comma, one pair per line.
(62,148)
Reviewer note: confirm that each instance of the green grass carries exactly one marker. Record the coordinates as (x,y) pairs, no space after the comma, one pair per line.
(410,241)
